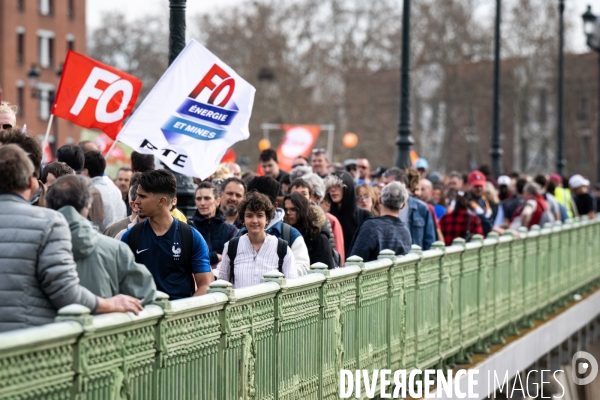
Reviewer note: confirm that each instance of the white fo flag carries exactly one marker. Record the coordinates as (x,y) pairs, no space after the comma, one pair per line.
(198,109)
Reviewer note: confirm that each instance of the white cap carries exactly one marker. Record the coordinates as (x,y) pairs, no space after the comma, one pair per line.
(504,180)
(577,181)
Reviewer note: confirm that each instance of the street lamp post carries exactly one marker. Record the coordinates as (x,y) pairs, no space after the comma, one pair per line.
(496,149)
(560,157)
(591,27)
(33,80)
(185,184)
(405,141)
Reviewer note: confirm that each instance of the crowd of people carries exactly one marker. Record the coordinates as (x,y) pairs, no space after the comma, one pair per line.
(70,234)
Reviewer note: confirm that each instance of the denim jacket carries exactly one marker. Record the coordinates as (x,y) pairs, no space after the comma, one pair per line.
(420,224)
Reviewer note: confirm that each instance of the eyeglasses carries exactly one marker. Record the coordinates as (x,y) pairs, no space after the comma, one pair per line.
(6,127)
(363,198)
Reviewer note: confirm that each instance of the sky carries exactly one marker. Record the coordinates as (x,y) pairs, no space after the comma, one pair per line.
(132,8)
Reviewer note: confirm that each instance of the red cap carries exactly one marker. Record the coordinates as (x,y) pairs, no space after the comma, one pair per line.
(476,178)
(556,178)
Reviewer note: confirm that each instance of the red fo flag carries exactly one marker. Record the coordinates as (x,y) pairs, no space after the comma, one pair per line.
(95,95)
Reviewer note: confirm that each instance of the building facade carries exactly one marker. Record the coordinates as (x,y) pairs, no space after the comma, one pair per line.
(39,33)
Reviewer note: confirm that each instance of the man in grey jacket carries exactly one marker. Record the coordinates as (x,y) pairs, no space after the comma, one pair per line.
(37,274)
(105,265)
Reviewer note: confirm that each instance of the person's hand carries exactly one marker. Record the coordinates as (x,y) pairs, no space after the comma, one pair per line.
(119,303)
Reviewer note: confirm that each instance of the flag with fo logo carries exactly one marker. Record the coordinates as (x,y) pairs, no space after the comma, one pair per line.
(198,109)
(94,95)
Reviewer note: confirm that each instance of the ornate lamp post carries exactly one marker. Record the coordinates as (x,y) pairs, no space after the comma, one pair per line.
(496,148)
(405,140)
(591,27)
(33,80)
(185,184)
(560,157)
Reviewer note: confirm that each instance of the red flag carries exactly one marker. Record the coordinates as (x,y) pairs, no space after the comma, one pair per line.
(95,95)
(298,141)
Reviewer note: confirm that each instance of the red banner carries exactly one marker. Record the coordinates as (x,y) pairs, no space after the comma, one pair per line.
(95,95)
(298,141)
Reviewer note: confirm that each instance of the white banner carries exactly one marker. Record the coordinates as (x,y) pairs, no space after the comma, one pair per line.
(198,109)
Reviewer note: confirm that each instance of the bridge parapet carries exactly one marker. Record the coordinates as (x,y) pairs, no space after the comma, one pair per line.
(288,339)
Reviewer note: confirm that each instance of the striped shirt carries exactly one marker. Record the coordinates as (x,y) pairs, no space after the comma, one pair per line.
(250,266)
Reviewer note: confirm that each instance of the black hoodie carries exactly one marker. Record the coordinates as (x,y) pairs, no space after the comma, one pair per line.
(215,231)
(348,213)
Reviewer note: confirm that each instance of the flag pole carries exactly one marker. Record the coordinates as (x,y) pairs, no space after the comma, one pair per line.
(111,148)
(48,131)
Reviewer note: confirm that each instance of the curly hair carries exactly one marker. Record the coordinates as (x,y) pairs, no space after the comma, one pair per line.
(31,145)
(306,217)
(256,202)
(414,179)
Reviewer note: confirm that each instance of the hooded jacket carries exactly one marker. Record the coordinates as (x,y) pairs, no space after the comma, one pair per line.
(105,265)
(38,273)
(298,246)
(319,248)
(215,231)
(347,212)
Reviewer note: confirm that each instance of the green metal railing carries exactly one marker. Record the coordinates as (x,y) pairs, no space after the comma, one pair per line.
(288,339)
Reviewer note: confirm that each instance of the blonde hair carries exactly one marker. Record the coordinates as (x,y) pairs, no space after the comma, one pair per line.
(491,194)
(7,108)
(371,193)
(222,173)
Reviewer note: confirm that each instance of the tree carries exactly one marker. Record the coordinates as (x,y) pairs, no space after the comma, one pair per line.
(138,47)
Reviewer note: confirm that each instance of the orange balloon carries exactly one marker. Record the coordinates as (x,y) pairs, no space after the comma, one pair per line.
(264,144)
(350,140)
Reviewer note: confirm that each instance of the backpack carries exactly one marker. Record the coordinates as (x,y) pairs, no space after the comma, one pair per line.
(540,216)
(282,247)
(185,235)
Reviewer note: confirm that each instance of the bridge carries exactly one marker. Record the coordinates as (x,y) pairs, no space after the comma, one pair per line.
(289,339)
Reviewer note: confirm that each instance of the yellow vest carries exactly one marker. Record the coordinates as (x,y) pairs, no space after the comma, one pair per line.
(178,215)
(563,196)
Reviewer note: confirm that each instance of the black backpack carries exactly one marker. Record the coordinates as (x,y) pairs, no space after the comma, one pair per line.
(282,247)
(185,234)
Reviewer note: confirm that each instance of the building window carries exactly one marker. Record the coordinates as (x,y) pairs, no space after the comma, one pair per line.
(20,45)
(45,7)
(45,100)
(45,48)
(71,9)
(20,98)
(21,5)
(71,42)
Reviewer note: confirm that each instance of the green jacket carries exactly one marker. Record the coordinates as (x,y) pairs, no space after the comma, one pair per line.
(105,265)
